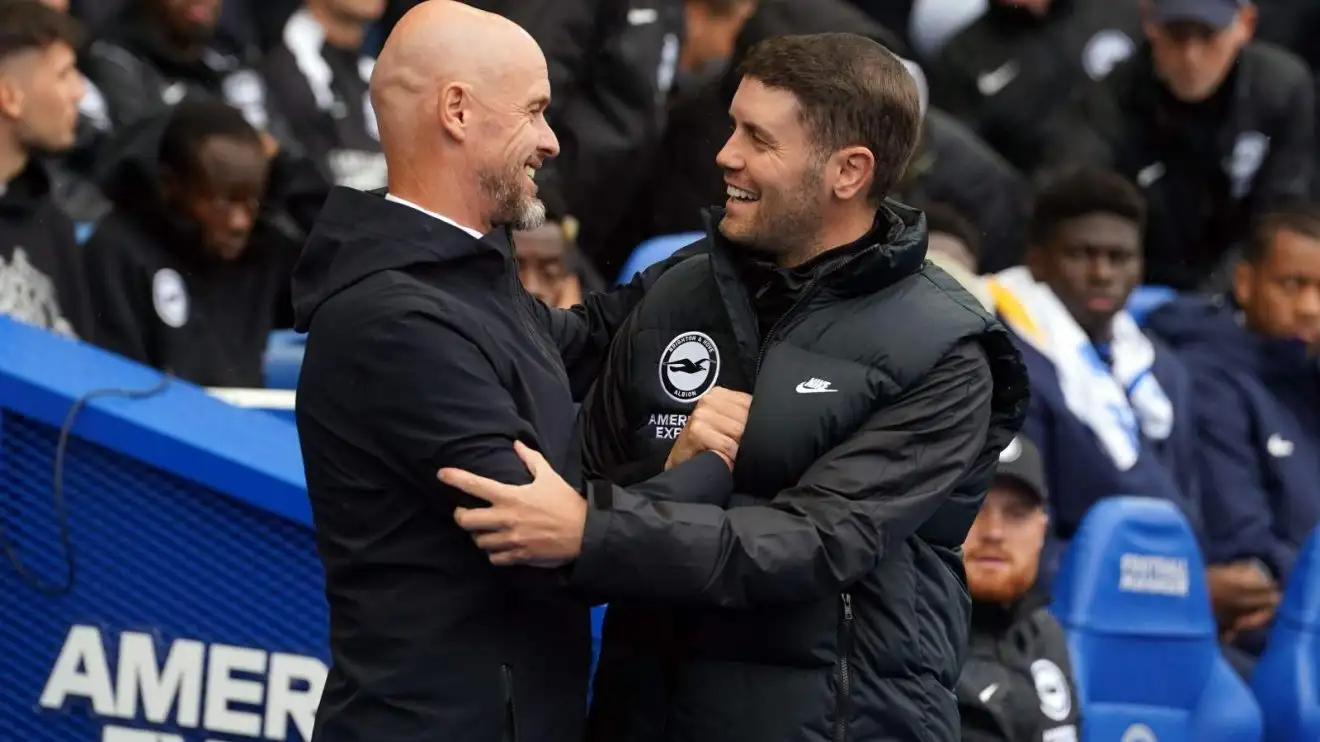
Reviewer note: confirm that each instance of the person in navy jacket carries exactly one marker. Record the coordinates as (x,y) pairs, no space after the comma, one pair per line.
(1111,408)
(1257,382)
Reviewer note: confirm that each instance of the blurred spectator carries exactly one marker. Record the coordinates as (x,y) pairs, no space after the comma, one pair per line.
(184,275)
(1017,684)
(1111,410)
(954,166)
(319,75)
(1213,127)
(77,196)
(1253,360)
(1008,71)
(156,52)
(954,246)
(711,29)
(41,272)
(549,265)
(933,22)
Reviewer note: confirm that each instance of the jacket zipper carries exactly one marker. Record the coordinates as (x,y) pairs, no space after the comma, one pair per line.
(843,689)
(802,296)
(510,715)
(532,326)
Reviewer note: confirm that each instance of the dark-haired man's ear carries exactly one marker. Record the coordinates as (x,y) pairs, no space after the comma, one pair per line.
(11,98)
(856,172)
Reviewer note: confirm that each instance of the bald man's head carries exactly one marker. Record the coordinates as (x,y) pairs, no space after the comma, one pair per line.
(460,97)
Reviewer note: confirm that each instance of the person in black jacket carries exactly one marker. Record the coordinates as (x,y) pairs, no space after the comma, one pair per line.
(424,351)
(1017,684)
(1008,71)
(827,600)
(156,52)
(1214,138)
(319,74)
(41,275)
(185,276)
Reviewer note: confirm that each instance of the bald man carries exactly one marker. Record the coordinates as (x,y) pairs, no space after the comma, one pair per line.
(425,352)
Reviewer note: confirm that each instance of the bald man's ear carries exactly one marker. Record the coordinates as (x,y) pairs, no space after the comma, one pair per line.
(455,110)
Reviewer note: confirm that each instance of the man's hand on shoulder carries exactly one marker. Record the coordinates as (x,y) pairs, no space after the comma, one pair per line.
(716,424)
(538,524)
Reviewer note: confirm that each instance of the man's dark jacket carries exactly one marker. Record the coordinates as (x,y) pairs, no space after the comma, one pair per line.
(425,352)
(1006,72)
(42,281)
(1257,404)
(1018,683)
(139,73)
(1209,169)
(828,601)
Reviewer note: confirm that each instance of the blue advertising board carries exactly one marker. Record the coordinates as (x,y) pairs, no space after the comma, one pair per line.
(188,604)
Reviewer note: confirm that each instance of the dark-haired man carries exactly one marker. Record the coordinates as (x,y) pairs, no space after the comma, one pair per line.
(1252,355)
(828,601)
(182,277)
(41,273)
(1111,409)
(1212,126)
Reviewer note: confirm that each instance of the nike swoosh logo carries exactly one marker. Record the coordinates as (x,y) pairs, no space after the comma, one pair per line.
(803,389)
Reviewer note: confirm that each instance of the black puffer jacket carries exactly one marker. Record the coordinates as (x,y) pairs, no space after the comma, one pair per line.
(828,601)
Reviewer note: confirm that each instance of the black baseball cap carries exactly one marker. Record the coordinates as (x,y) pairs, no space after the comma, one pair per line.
(1216,14)
(1020,461)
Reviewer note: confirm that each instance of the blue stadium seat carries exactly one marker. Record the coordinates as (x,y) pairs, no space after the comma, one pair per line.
(1131,596)
(1286,681)
(655,250)
(1146,299)
(284,355)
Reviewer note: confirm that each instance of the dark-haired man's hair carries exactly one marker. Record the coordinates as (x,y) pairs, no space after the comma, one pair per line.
(29,24)
(194,121)
(1079,192)
(1300,217)
(945,219)
(852,92)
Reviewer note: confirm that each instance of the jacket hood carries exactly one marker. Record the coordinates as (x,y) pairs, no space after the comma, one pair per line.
(1209,332)
(894,248)
(360,234)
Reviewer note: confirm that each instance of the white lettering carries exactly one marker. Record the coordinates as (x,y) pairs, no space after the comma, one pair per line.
(1154,575)
(180,680)
(222,689)
(668,426)
(81,670)
(284,702)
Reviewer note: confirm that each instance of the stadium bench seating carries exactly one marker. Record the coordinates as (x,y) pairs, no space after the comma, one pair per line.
(1131,596)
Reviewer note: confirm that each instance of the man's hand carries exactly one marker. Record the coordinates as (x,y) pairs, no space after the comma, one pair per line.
(1242,594)
(538,524)
(716,424)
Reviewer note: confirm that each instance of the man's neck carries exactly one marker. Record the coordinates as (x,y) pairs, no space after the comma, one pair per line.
(13,159)
(836,231)
(340,31)
(461,205)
